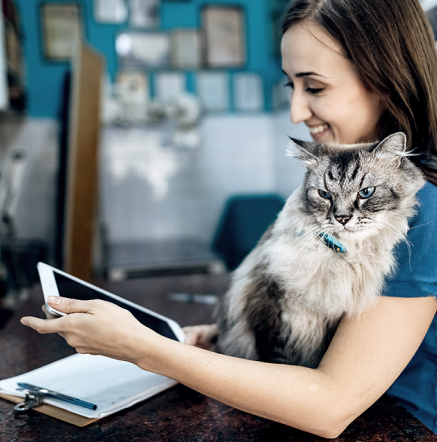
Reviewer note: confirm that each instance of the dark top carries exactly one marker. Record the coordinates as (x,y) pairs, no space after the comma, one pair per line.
(416,387)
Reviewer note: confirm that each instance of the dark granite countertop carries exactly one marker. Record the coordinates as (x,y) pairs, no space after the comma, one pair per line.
(178,414)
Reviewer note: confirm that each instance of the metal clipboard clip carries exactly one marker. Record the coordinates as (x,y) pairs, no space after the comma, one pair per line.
(35,396)
(31,400)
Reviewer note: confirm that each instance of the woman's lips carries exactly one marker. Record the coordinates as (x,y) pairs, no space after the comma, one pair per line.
(317,131)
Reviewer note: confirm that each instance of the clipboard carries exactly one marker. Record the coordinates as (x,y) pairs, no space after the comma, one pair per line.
(51,410)
(110,384)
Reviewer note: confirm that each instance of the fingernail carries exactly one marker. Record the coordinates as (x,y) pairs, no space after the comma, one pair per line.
(54,300)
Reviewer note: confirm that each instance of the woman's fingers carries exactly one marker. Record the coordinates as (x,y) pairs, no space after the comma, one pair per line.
(42,326)
(48,315)
(54,324)
(67,305)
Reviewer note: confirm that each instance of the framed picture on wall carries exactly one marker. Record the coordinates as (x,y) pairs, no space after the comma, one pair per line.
(143,49)
(133,95)
(213,90)
(186,49)
(62,29)
(144,13)
(277,12)
(169,85)
(135,82)
(110,11)
(224,30)
(248,92)
(280,94)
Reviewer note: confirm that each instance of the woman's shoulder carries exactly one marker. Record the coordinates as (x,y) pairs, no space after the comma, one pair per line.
(427,208)
(428,192)
(416,273)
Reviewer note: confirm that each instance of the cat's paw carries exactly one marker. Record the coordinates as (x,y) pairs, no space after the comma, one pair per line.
(203,336)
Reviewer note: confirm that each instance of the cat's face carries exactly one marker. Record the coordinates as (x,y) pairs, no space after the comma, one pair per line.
(356,189)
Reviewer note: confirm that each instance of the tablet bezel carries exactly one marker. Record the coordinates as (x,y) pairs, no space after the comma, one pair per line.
(50,288)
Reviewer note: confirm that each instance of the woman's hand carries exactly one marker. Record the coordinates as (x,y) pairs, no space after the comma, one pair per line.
(48,315)
(202,336)
(96,327)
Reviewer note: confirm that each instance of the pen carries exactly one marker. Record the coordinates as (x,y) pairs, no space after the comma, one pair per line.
(56,395)
(190,298)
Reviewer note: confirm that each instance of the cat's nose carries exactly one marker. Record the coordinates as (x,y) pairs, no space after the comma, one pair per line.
(343,219)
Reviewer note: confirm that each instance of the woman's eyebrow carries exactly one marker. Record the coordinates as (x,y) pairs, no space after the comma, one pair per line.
(305,74)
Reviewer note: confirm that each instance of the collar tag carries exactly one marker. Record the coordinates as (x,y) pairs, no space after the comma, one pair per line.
(332,243)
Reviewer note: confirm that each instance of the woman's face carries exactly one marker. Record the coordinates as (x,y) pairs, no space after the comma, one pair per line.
(327,94)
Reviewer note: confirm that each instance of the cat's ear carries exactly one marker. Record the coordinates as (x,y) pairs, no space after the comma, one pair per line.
(304,151)
(393,148)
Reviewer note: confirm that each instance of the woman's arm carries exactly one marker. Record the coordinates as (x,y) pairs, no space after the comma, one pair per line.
(367,354)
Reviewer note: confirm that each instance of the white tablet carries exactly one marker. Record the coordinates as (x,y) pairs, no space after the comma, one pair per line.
(57,283)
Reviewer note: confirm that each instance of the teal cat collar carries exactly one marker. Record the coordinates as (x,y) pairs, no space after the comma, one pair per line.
(332,243)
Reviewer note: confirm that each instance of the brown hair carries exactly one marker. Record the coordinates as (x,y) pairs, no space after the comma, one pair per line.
(392,44)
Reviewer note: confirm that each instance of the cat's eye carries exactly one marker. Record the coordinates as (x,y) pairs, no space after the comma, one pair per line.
(325,194)
(366,192)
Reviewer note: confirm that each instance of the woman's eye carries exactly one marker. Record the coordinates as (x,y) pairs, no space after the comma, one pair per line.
(314,91)
(325,194)
(289,84)
(366,192)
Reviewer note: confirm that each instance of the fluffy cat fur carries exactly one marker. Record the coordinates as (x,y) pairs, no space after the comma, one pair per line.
(289,294)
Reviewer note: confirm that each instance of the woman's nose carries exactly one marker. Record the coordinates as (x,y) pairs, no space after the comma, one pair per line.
(299,107)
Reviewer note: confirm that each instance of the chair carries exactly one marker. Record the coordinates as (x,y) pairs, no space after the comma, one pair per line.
(244,220)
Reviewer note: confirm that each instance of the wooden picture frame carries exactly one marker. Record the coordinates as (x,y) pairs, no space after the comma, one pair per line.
(62,29)
(110,11)
(224,29)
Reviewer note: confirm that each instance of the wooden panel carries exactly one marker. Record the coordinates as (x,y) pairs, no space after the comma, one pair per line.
(83,157)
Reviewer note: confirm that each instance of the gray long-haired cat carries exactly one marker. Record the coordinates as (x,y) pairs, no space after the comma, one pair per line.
(327,254)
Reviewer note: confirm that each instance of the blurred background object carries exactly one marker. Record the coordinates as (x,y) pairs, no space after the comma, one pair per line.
(244,220)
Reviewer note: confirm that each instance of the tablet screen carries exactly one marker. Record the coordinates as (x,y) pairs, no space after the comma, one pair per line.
(69,288)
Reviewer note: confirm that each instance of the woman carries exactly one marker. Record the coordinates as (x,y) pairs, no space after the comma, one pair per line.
(359,70)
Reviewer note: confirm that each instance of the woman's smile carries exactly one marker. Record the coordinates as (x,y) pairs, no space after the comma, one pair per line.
(318,131)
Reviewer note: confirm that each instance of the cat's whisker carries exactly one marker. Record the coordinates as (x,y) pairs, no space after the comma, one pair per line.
(300,265)
(297,271)
(402,236)
(292,278)
(302,241)
(393,229)
(421,225)
(297,249)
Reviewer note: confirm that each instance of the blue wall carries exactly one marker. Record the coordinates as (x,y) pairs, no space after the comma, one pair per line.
(44,78)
